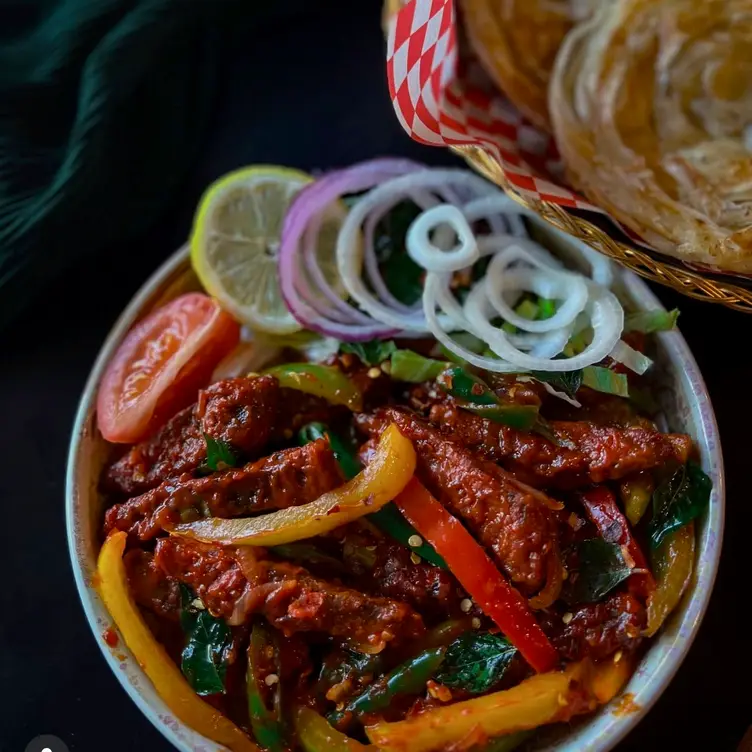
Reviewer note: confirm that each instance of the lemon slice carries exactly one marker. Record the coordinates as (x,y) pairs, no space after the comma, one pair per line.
(235,240)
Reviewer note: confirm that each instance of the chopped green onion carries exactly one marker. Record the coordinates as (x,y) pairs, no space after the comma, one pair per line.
(466,340)
(528,309)
(466,386)
(523,417)
(546,308)
(605,380)
(649,322)
(475,396)
(578,342)
(411,367)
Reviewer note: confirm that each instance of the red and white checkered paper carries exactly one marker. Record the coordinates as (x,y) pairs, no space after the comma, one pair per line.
(443,100)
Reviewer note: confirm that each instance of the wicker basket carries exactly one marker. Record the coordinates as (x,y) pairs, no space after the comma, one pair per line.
(730,291)
(662,270)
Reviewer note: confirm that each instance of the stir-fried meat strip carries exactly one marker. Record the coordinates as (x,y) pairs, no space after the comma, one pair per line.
(233,584)
(288,478)
(586,453)
(240,412)
(597,630)
(295,409)
(150,586)
(514,524)
(383,566)
(374,385)
(431,590)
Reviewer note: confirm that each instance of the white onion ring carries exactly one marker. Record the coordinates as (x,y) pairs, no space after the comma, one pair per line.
(422,250)
(607,321)
(388,193)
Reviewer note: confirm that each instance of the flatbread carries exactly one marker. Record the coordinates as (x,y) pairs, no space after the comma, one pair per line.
(517,42)
(651,104)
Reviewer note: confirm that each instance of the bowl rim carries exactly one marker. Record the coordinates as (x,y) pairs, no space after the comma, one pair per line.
(606,731)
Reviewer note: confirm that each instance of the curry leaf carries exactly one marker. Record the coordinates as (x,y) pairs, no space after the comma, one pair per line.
(599,568)
(219,454)
(476,662)
(204,661)
(678,500)
(402,276)
(371,353)
(188,612)
(565,381)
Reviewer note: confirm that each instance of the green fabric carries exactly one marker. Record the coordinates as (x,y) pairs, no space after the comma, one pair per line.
(103,105)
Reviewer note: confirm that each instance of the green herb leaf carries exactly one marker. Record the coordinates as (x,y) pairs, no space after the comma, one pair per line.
(648,322)
(219,454)
(371,353)
(600,568)
(203,662)
(565,381)
(402,276)
(188,612)
(678,500)
(476,662)
(413,368)
(605,380)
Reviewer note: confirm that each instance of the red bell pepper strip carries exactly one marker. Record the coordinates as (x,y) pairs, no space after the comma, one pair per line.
(475,571)
(600,504)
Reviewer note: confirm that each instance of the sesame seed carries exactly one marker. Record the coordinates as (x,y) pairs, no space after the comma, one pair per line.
(271,679)
(414,541)
(198,604)
(370,548)
(465,605)
(618,656)
(475,622)
(564,574)
(414,558)
(374,373)
(567,617)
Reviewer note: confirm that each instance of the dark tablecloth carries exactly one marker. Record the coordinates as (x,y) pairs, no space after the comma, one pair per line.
(312,94)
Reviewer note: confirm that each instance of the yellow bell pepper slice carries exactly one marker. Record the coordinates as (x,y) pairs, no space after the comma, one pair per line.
(539,700)
(673,564)
(377,484)
(111,583)
(607,678)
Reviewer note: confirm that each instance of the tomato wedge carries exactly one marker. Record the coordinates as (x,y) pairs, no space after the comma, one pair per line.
(161,364)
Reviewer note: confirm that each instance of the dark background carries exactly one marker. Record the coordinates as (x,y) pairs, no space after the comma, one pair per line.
(309,91)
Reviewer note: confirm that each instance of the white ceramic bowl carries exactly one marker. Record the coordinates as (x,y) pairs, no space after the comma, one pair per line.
(687,409)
